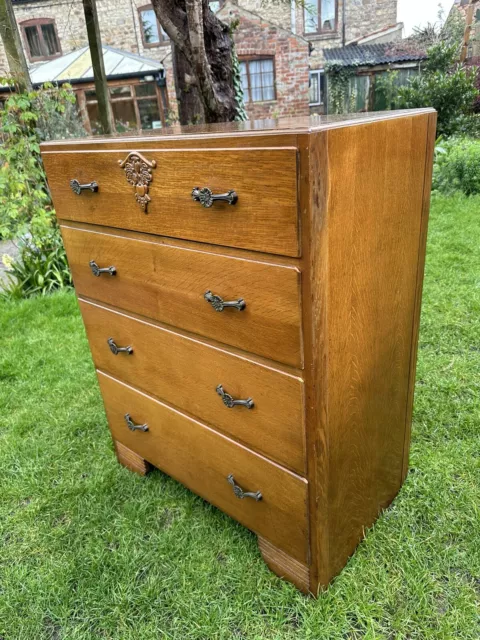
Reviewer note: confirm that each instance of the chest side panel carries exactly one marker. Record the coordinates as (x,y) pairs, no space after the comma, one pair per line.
(371,236)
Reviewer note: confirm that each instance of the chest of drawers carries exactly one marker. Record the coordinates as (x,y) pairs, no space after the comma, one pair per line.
(251,294)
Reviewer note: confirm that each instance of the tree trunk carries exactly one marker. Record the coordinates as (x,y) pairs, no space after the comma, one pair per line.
(101,87)
(190,105)
(202,56)
(13,46)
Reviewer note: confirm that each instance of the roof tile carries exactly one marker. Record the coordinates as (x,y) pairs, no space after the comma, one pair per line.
(366,55)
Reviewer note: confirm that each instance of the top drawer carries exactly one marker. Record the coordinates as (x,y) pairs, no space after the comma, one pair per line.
(151,192)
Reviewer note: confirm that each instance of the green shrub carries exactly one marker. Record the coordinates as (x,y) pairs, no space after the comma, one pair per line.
(457,166)
(26,120)
(41,267)
(445,85)
(57,113)
(26,209)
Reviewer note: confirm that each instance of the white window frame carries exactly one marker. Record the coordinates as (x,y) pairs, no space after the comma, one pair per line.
(319,73)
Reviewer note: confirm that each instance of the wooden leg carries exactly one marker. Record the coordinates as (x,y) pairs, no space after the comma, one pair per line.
(130,459)
(284,565)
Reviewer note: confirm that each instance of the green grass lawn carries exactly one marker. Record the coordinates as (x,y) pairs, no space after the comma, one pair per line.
(89,550)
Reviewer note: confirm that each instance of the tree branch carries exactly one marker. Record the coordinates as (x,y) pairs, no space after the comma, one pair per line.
(174,21)
(13,46)
(202,60)
(199,59)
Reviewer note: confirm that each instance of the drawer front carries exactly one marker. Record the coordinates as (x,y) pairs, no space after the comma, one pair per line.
(265,180)
(186,373)
(202,460)
(168,283)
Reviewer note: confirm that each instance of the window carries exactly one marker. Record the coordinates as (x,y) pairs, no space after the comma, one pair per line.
(258,79)
(317,87)
(152,31)
(134,106)
(148,111)
(320,16)
(40,38)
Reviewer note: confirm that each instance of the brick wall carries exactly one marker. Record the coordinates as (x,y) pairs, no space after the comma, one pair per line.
(266,28)
(116,22)
(362,17)
(365,16)
(119,25)
(256,37)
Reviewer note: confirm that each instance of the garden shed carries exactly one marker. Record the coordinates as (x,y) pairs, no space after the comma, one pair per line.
(352,73)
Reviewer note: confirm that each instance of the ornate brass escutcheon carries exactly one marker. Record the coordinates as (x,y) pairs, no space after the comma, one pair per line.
(138,171)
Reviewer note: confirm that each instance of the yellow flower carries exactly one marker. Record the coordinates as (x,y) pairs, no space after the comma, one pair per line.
(7,260)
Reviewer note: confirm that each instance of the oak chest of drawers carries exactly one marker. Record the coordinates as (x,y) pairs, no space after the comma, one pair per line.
(251,294)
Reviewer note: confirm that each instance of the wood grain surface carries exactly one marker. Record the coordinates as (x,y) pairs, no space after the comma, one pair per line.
(264,218)
(167,282)
(202,460)
(185,372)
(284,565)
(368,287)
(422,242)
(326,347)
(314,186)
(130,459)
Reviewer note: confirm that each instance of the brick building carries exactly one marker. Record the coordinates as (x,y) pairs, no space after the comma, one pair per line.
(280,45)
(273,63)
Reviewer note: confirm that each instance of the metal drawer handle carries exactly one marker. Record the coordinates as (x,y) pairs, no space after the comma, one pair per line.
(207,198)
(97,272)
(77,188)
(116,350)
(229,402)
(240,493)
(219,305)
(134,427)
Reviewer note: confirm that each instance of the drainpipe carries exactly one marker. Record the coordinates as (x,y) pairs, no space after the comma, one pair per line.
(344,13)
(133,7)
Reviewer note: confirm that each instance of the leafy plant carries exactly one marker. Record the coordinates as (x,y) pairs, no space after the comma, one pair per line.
(41,267)
(457,166)
(26,120)
(341,95)
(386,90)
(450,31)
(26,209)
(444,84)
(476,106)
(57,113)
(237,85)
(24,197)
